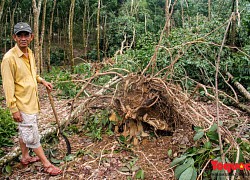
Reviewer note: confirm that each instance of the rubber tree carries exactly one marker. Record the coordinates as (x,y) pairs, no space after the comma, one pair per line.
(1,8)
(12,15)
(50,36)
(209,9)
(70,34)
(36,13)
(98,30)
(42,34)
(1,13)
(85,28)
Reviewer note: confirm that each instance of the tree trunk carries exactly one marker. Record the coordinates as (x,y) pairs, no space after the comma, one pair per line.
(36,13)
(42,34)
(1,14)
(168,17)
(71,19)
(182,15)
(1,8)
(131,8)
(12,22)
(58,29)
(209,9)
(242,90)
(50,36)
(98,30)
(84,30)
(5,34)
(105,42)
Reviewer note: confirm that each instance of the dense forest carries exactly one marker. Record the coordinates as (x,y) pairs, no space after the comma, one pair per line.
(129,70)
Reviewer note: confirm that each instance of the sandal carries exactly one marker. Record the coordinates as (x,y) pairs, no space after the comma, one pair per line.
(52,170)
(30,160)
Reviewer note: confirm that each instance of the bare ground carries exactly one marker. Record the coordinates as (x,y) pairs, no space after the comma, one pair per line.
(109,159)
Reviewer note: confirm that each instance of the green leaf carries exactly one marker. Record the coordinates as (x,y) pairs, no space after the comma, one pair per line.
(140,174)
(55,161)
(170,152)
(187,174)
(180,169)
(177,160)
(194,175)
(201,151)
(198,135)
(69,157)
(218,175)
(8,169)
(208,145)
(213,135)
(213,127)
(197,128)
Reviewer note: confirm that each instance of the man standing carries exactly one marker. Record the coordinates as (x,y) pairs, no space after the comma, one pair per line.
(20,86)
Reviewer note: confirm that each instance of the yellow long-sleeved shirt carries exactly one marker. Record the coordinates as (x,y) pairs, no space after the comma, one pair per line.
(20,81)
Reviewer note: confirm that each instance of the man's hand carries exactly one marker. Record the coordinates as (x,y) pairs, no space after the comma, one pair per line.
(47,85)
(17,116)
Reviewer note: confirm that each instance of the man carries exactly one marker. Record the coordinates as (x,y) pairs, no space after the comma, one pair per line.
(20,86)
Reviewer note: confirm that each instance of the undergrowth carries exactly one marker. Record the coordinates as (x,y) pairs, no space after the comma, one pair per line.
(200,158)
(8,129)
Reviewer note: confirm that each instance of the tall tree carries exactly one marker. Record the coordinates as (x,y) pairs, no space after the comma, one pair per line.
(1,21)
(42,34)
(168,3)
(70,33)
(209,9)
(50,36)
(36,13)
(98,30)
(85,28)
(12,15)
(1,9)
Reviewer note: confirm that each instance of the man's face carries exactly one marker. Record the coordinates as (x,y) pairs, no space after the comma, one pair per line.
(23,39)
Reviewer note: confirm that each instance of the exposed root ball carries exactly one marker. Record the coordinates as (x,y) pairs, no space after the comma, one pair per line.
(161,105)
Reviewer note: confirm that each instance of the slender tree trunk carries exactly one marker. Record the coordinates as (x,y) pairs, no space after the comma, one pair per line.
(167,17)
(58,29)
(85,29)
(36,13)
(65,41)
(5,34)
(98,30)
(71,20)
(209,9)
(105,42)
(42,34)
(1,14)
(233,26)
(1,8)
(182,15)
(12,22)
(131,7)
(50,36)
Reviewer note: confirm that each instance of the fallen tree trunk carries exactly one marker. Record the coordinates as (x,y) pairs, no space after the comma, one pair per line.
(242,107)
(16,151)
(239,86)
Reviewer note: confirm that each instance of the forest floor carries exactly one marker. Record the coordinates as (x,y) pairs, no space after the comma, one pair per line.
(107,158)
